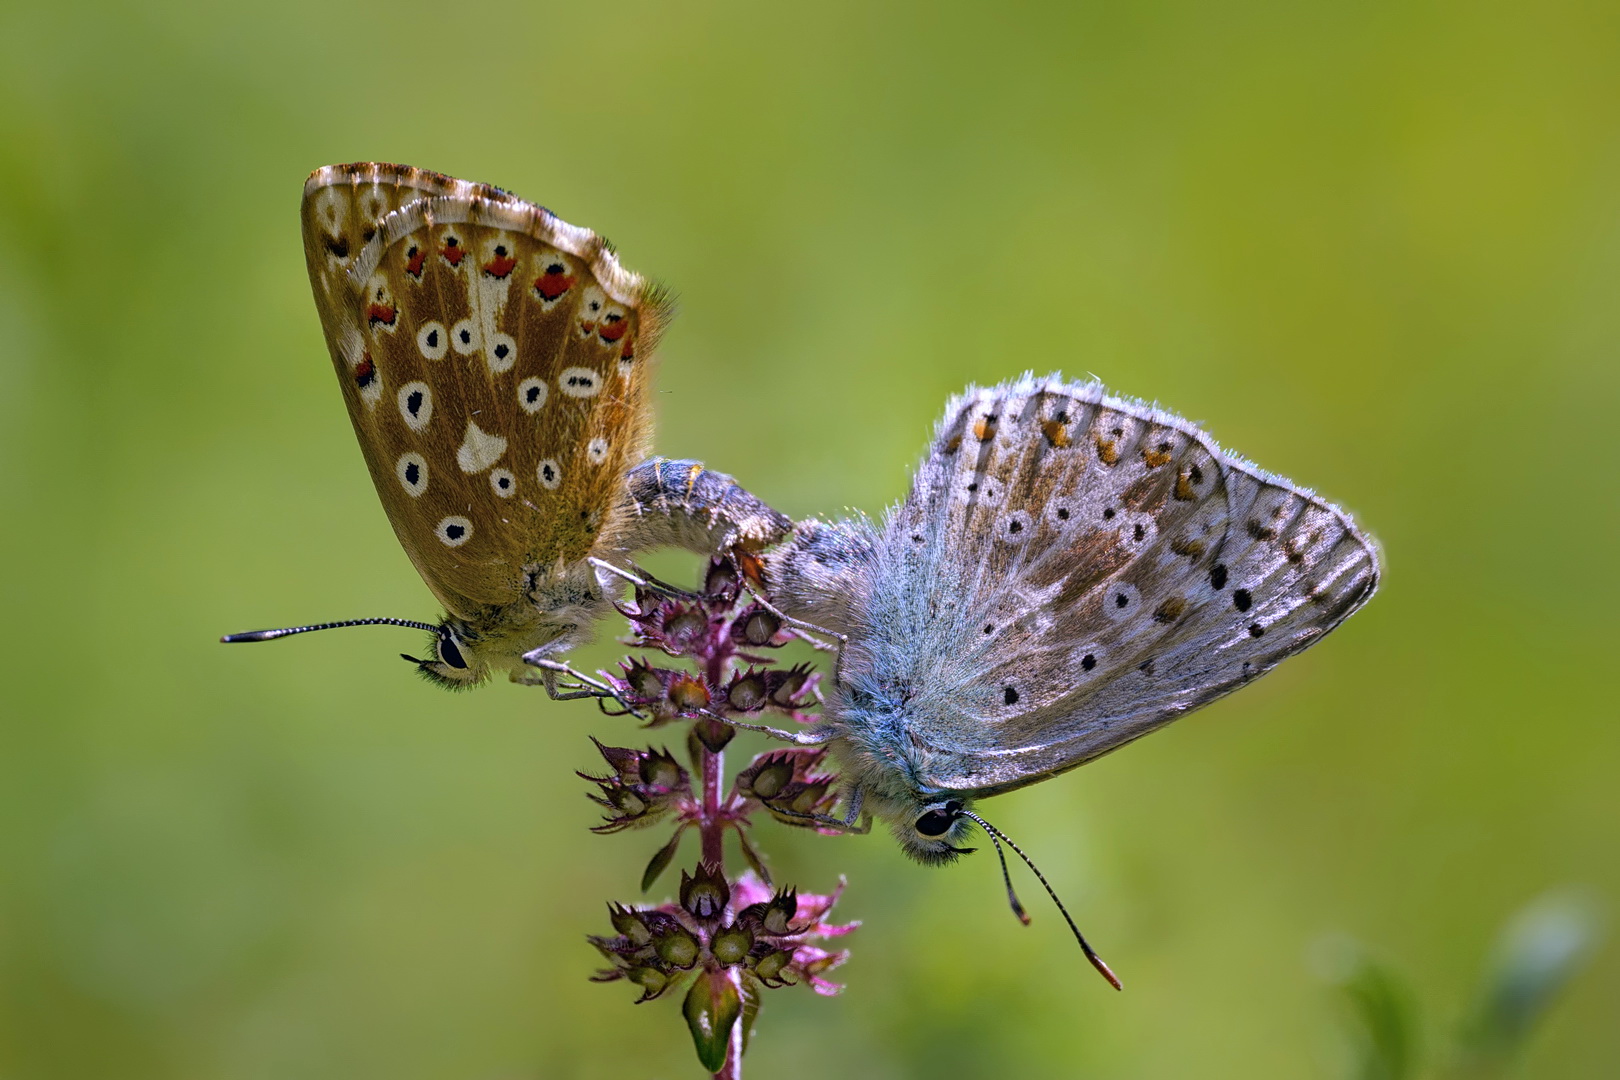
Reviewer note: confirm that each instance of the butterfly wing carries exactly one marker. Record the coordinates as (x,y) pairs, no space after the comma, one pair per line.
(1093,568)
(494,361)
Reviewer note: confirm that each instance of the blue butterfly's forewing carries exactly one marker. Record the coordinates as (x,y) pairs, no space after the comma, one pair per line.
(1070,572)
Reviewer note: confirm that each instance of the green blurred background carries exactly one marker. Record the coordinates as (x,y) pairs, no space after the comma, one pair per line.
(1375,247)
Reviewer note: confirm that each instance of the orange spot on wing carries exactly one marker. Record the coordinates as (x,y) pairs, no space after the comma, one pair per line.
(413,265)
(1107,451)
(629,350)
(1056,434)
(1192,549)
(613,328)
(452,253)
(381,313)
(984,428)
(500,266)
(1171,610)
(1155,457)
(551,286)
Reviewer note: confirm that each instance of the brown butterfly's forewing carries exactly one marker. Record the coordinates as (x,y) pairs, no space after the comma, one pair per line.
(495,364)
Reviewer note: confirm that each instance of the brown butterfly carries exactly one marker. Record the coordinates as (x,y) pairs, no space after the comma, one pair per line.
(495,362)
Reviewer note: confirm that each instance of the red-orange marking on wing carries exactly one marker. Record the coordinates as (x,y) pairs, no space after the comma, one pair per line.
(552,285)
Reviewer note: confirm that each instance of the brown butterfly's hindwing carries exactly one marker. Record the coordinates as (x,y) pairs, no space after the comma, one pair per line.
(494,361)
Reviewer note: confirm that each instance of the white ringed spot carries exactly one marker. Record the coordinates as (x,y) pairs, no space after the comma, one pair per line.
(504,483)
(416,404)
(1086,659)
(1121,600)
(432,341)
(454,531)
(596,450)
(465,337)
(479,449)
(549,473)
(579,382)
(532,393)
(500,352)
(412,471)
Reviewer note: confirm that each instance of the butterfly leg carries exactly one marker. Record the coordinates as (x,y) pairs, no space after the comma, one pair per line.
(812,737)
(857,797)
(806,631)
(641,579)
(853,823)
(583,686)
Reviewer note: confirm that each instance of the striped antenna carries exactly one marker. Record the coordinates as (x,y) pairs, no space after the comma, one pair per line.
(996,837)
(271,635)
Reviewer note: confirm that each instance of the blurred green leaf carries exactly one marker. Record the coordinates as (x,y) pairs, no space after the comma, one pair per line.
(1538,953)
(1384,1019)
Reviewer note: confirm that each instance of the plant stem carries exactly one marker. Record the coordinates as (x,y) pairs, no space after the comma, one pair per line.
(732,1069)
(712,829)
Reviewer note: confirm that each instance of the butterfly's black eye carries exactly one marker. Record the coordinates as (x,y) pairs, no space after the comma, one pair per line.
(938,822)
(450,654)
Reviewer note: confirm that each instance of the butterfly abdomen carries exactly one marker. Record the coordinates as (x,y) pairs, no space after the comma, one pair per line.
(682,504)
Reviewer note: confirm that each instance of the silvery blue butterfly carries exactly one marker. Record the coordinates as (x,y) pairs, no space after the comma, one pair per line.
(1069,572)
(496,363)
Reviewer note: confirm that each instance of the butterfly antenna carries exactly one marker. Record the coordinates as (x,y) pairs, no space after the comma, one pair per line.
(271,635)
(1006,878)
(996,837)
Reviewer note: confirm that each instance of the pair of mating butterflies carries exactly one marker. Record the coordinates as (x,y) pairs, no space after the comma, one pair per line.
(1069,571)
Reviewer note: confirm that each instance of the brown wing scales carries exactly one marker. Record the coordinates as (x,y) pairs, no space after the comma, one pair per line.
(493,361)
